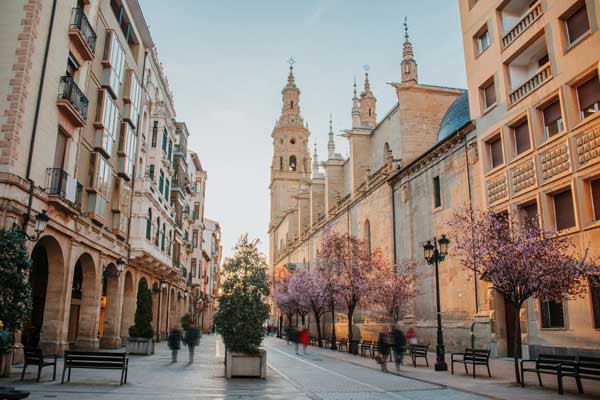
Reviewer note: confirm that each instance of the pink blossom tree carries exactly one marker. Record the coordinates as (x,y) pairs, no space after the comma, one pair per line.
(284,301)
(309,287)
(521,262)
(297,294)
(353,274)
(397,287)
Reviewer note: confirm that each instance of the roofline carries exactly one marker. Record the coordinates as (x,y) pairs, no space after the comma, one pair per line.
(140,22)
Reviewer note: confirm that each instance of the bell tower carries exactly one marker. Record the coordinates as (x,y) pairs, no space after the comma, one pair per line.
(291,164)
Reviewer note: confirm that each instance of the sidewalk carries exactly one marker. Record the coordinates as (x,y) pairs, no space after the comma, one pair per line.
(155,377)
(501,386)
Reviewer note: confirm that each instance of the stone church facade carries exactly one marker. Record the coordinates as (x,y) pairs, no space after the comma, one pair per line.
(440,148)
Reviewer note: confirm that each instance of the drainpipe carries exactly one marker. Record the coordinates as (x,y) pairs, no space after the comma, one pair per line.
(468,170)
(394,228)
(35,119)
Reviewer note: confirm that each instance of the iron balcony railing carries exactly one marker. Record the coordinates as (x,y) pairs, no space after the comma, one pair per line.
(80,22)
(68,90)
(59,183)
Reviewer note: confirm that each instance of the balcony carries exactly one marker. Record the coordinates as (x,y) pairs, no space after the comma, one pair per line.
(529,70)
(82,34)
(72,102)
(63,188)
(517,17)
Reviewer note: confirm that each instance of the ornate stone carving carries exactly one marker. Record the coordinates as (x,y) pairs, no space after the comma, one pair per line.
(522,176)
(497,189)
(588,146)
(555,161)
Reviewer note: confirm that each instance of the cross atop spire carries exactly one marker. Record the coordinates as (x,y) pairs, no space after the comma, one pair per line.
(407,51)
(291,79)
(330,142)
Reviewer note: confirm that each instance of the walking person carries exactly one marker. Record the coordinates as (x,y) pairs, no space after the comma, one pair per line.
(192,340)
(303,339)
(296,339)
(384,342)
(174,342)
(399,340)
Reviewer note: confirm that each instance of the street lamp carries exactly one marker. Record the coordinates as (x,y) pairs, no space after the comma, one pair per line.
(434,254)
(41,221)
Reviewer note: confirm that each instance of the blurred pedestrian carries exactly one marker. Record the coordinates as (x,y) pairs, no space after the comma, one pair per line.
(174,342)
(411,336)
(303,338)
(192,340)
(385,342)
(399,345)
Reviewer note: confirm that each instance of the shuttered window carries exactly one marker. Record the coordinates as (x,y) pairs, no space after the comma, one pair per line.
(437,192)
(553,122)
(588,95)
(552,314)
(489,95)
(595,189)
(496,157)
(577,24)
(521,132)
(564,212)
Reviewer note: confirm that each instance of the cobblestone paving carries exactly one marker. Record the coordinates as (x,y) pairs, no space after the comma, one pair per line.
(326,378)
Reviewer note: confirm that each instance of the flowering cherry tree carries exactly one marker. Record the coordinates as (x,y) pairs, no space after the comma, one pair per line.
(397,287)
(287,305)
(309,287)
(297,286)
(522,262)
(351,272)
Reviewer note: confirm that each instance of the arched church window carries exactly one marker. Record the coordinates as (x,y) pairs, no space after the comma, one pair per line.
(367,233)
(291,104)
(292,141)
(292,163)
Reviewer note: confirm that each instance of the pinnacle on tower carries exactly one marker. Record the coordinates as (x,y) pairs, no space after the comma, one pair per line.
(290,112)
(409,65)
(291,80)
(367,88)
(355,108)
(368,102)
(330,142)
(315,166)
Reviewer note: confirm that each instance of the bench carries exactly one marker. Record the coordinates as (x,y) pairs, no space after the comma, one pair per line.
(419,350)
(95,360)
(366,347)
(581,367)
(471,356)
(343,343)
(586,368)
(36,357)
(312,341)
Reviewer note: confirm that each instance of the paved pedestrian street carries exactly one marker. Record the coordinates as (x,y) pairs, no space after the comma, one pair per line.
(290,377)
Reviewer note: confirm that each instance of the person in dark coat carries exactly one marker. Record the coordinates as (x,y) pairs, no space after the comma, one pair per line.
(174,342)
(399,344)
(192,339)
(384,341)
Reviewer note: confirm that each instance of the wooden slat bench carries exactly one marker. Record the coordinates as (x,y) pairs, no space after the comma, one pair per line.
(95,360)
(366,348)
(343,343)
(473,357)
(549,364)
(586,368)
(36,357)
(419,350)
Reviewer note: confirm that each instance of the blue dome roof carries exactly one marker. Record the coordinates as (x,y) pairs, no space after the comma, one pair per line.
(456,116)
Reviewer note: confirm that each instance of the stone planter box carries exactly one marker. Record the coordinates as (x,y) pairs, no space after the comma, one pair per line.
(5,363)
(246,365)
(141,346)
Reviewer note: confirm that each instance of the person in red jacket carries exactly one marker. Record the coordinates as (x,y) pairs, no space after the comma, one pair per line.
(303,338)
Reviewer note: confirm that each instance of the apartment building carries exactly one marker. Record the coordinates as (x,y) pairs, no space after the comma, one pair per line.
(533,79)
(89,139)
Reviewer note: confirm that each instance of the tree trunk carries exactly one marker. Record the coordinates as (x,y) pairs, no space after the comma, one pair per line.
(303,319)
(517,340)
(350,315)
(319,337)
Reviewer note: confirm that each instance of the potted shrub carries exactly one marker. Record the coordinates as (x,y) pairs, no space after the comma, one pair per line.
(242,311)
(15,292)
(141,334)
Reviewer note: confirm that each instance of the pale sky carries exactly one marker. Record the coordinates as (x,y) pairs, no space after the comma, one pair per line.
(226,62)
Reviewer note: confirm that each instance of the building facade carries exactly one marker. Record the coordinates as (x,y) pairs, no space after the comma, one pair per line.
(532,71)
(208,272)
(89,136)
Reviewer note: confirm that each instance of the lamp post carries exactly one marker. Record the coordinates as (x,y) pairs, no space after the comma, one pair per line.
(41,221)
(434,255)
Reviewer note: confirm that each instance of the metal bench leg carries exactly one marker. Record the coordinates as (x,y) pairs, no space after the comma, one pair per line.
(63,375)
(560,383)
(23,372)
(414,360)
(69,378)
(451,367)
(540,379)
(126,370)
(522,377)
(488,368)
(466,370)
(426,361)
(122,376)
(39,373)
(473,369)
(579,385)
(54,373)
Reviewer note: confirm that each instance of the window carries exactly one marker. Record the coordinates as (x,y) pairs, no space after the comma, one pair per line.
(553,122)
(195,238)
(280,163)
(162,237)
(154,133)
(107,123)
(161,181)
(595,191)
(529,213)
(121,203)
(99,186)
(170,151)
(564,213)
(437,193)
(167,189)
(588,95)
(552,314)
(164,140)
(368,236)
(595,294)
(521,135)
(196,211)
(132,98)
(577,24)
(149,224)
(292,163)
(488,92)
(151,171)
(156,238)
(59,150)
(193,267)
(114,63)
(495,149)
(483,40)
(127,147)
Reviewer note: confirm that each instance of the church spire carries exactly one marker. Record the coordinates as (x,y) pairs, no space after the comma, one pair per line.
(367,104)
(290,111)
(330,142)
(355,108)
(315,166)
(409,65)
